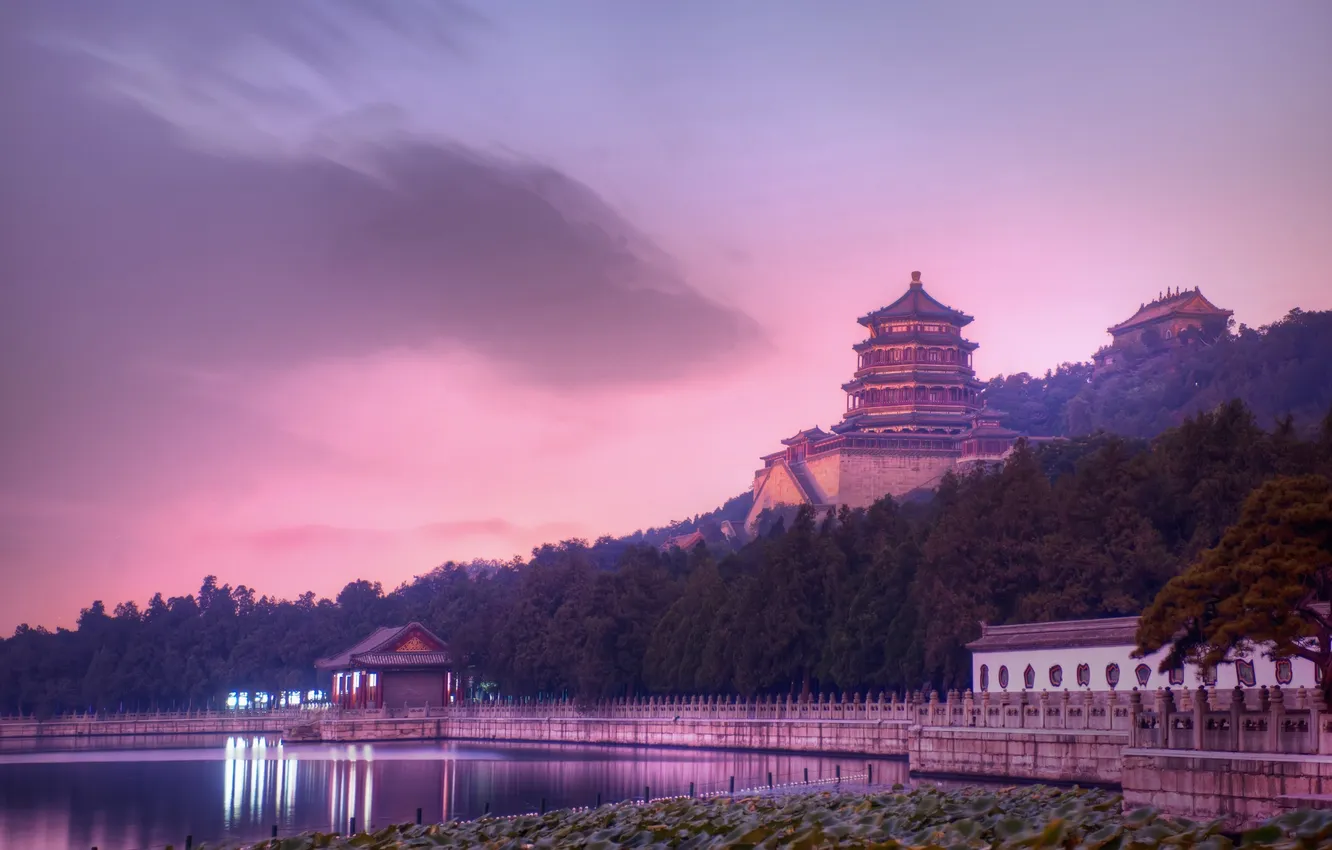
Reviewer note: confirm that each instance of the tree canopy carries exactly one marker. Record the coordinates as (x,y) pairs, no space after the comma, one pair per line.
(1267,583)
(880,598)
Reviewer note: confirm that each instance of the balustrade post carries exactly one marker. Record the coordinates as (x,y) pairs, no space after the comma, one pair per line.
(1317,708)
(969,708)
(1135,718)
(1200,709)
(985,709)
(1043,700)
(1236,718)
(1276,716)
(1063,708)
(1165,710)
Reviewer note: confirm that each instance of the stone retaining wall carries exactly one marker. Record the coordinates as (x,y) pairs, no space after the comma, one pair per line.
(234,724)
(883,738)
(1087,757)
(1242,788)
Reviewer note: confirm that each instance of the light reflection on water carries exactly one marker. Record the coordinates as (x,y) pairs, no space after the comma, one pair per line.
(119,794)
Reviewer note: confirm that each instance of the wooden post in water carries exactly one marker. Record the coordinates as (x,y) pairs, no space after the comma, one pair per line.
(275,830)
(418,817)
(806,776)
(691,789)
(647,794)
(189,842)
(839,774)
(770,780)
(869,774)
(732,784)
(351,825)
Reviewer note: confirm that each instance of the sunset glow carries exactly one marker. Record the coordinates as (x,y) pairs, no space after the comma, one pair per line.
(487,277)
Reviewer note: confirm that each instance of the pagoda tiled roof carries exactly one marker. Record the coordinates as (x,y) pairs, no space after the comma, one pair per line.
(380,643)
(1190,302)
(960,421)
(917,303)
(923,377)
(916,337)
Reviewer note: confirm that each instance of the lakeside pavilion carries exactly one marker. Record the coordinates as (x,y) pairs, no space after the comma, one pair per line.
(393,667)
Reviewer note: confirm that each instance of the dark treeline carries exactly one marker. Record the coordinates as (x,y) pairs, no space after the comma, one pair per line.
(869,599)
(1279,369)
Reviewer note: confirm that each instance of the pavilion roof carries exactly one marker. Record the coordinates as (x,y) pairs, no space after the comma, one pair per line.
(812,435)
(683,541)
(917,303)
(384,641)
(1108,631)
(1190,302)
(402,659)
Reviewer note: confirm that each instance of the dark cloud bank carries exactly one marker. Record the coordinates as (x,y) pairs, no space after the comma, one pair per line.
(122,244)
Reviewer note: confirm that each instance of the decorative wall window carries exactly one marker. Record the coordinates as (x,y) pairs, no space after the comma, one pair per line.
(1177,675)
(985,677)
(1144,674)
(1003,676)
(1209,676)
(1112,675)
(1056,676)
(1244,670)
(1284,672)
(1084,675)
(1029,677)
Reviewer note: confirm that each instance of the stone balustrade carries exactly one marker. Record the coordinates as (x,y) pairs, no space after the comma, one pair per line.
(1080,710)
(1238,721)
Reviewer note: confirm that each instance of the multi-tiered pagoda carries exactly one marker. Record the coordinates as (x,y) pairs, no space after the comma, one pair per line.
(913,412)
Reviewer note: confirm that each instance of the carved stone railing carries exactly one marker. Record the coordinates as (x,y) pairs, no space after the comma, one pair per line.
(1083,710)
(193,714)
(1242,720)
(827,707)
(1253,720)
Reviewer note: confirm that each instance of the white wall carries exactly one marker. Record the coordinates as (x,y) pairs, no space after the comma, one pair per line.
(1100,656)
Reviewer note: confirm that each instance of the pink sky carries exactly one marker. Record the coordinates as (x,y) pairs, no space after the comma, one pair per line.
(234,353)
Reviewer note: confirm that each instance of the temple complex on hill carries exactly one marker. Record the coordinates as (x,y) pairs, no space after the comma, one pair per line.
(1165,321)
(913,413)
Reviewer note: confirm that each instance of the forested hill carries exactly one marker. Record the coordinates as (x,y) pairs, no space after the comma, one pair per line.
(883,598)
(1281,369)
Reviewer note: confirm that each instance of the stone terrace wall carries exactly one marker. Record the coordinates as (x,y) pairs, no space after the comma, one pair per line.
(1241,788)
(883,738)
(211,723)
(1087,757)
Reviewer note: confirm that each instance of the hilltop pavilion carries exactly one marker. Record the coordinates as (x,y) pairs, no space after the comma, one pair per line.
(1167,319)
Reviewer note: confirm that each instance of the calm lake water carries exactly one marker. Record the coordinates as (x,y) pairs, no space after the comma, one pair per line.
(127,793)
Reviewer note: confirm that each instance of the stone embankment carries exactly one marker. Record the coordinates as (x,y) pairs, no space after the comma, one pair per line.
(198,723)
(1242,755)
(882,738)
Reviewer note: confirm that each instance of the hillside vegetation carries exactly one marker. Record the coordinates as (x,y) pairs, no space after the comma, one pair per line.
(883,598)
(1283,369)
